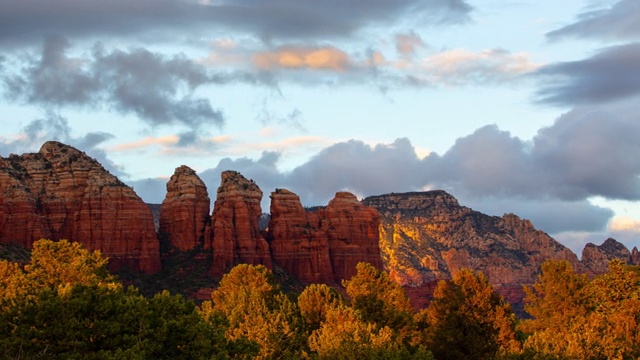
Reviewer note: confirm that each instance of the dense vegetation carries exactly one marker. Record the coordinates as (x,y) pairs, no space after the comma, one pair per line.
(63,304)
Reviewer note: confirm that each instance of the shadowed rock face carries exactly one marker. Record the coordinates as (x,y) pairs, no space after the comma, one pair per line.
(184,215)
(427,236)
(297,243)
(234,224)
(596,258)
(353,235)
(322,246)
(61,193)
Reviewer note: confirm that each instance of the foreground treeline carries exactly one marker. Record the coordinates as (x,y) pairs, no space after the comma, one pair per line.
(65,305)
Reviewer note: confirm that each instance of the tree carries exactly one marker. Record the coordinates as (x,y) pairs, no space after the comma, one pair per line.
(315,301)
(559,301)
(578,318)
(378,299)
(467,319)
(56,263)
(345,336)
(249,299)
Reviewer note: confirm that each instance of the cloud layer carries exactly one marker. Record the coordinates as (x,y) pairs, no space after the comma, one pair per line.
(24,21)
(156,88)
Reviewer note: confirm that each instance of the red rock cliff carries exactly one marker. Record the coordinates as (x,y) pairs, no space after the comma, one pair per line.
(61,193)
(234,223)
(352,232)
(184,215)
(296,242)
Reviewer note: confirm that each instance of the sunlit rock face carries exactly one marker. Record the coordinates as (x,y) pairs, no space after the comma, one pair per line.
(596,258)
(184,214)
(234,224)
(61,193)
(427,236)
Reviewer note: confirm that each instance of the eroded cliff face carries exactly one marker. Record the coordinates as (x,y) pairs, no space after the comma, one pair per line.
(428,236)
(234,224)
(596,258)
(297,243)
(184,214)
(61,193)
(352,233)
(323,246)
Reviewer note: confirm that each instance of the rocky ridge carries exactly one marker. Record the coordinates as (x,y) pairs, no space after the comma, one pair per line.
(427,236)
(234,223)
(419,238)
(596,257)
(61,193)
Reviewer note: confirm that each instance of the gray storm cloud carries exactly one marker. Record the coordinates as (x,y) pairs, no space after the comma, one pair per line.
(616,22)
(585,153)
(158,89)
(26,21)
(610,74)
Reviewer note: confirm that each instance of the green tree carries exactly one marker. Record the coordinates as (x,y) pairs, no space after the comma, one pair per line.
(467,319)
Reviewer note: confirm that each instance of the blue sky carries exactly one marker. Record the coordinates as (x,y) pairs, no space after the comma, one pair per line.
(528,107)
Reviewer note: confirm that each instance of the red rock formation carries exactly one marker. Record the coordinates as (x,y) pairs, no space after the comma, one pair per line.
(635,256)
(596,258)
(184,214)
(297,244)
(323,246)
(352,233)
(61,193)
(234,223)
(428,236)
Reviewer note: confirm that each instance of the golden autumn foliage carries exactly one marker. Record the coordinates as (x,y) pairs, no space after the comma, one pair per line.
(580,318)
(467,319)
(64,304)
(256,310)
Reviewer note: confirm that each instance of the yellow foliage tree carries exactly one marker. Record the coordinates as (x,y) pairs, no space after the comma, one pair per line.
(257,310)
(468,319)
(314,303)
(578,318)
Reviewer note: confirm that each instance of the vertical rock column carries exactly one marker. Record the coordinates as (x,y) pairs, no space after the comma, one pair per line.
(297,244)
(234,223)
(184,215)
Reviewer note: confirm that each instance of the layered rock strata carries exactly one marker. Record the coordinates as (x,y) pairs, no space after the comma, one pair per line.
(353,234)
(297,243)
(184,214)
(322,246)
(234,224)
(61,193)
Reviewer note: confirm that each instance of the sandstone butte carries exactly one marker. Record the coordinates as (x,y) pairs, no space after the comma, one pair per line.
(315,246)
(61,193)
(184,214)
(234,224)
(322,246)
